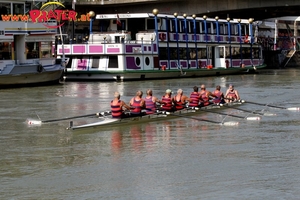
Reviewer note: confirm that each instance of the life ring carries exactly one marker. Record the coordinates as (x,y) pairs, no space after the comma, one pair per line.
(40,68)
(162,37)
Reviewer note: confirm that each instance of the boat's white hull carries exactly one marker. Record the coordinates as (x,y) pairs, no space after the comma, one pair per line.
(108,121)
(150,74)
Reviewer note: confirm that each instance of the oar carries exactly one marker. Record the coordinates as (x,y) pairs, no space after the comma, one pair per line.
(38,122)
(261,104)
(249,111)
(231,115)
(232,123)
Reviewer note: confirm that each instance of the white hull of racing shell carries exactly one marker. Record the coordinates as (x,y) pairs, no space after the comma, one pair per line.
(108,121)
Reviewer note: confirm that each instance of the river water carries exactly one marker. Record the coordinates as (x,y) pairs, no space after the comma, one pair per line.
(168,159)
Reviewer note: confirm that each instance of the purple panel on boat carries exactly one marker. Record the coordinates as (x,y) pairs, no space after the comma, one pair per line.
(145,48)
(149,48)
(96,49)
(183,64)
(66,50)
(193,63)
(197,37)
(79,49)
(154,47)
(82,64)
(130,63)
(113,50)
(129,48)
(236,63)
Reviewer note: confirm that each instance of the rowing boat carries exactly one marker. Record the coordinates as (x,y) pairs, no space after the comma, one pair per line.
(159,115)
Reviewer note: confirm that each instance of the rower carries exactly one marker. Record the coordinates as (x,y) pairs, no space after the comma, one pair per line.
(205,95)
(231,94)
(219,96)
(180,100)
(194,98)
(137,104)
(117,106)
(150,102)
(167,101)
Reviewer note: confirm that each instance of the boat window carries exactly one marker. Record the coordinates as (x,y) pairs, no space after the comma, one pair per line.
(46,49)
(222,28)
(95,63)
(234,29)
(113,62)
(151,24)
(5,9)
(197,27)
(32,50)
(235,53)
(18,9)
(5,51)
(209,28)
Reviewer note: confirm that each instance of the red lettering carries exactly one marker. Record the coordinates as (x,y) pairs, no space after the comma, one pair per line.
(51,15)
(14,18)
(64,16)
(43,17)
(5,17)
(24,18)
(34,15)
(58,14)
(72,15)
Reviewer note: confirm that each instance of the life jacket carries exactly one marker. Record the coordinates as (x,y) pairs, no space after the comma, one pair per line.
(136,107)
(218,97)
(195,99)
(179,105)
(231,95)
(167,103)
(204,97)
(150,105)
(116,110)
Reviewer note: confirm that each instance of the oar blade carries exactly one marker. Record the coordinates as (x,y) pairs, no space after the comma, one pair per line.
(253,118)
(231,123)
(293,109)
(33,122)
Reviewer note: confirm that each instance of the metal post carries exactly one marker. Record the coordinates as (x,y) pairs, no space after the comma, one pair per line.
(91,16)
(186,40)
(177,42)
(229,39)
(155,12)
(251,39)
(240,37)
(217,28)
(195,38)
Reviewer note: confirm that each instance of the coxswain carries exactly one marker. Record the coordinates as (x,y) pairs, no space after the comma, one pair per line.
(167,104)
(137,104)
(194,98)
(180,100)
(117,106)
(205,95)
(219,96)
(231,94)
(150,102)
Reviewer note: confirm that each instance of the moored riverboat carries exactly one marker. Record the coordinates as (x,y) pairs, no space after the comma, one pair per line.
(26,46)
(135,46)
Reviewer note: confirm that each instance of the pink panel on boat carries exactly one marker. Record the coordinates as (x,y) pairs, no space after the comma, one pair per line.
(67,50)
(79,49)
(96,49)
(113,50)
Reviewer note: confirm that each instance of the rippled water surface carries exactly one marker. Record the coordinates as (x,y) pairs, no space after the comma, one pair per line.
(180,158)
